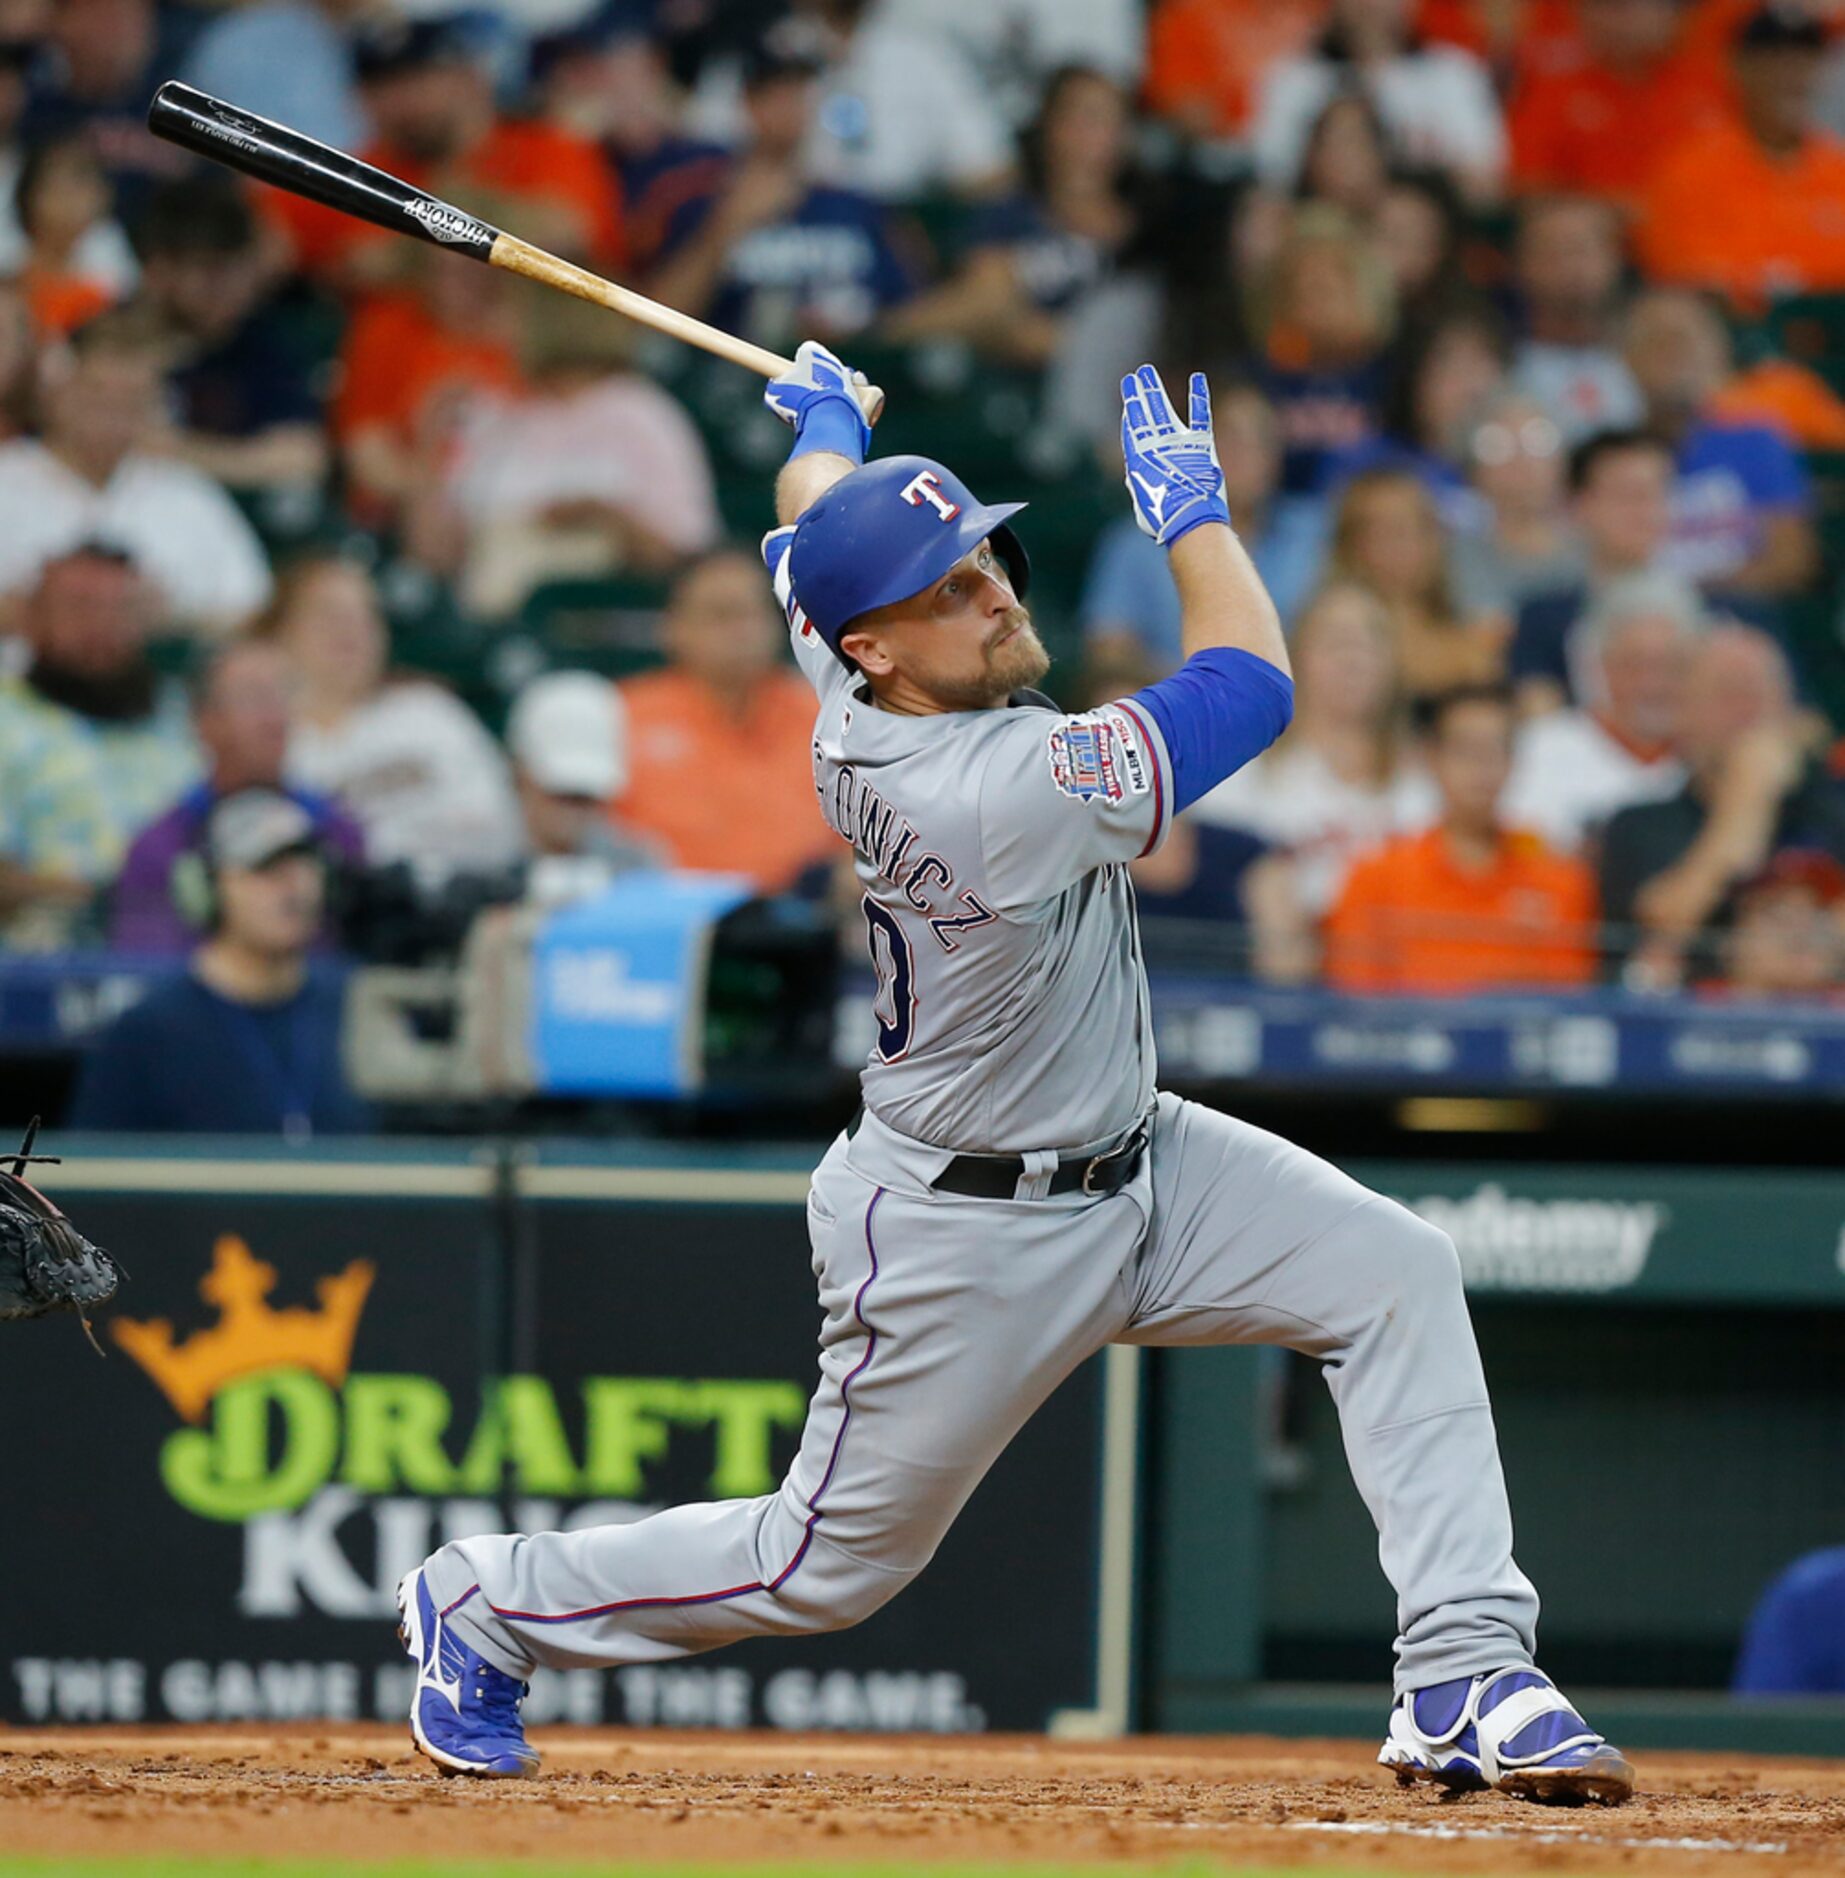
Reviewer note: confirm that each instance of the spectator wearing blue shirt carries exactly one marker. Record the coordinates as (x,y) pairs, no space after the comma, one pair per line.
(1325,310)
(1130,607)
(1741,505)
(1034,256)
(1620,492)
(247,1039)
(290,60)
(758,250)
(243,401)
(104,59)
(1795,1640)
(1198,878)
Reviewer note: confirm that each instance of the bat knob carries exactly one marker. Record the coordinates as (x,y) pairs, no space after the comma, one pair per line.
(870,401)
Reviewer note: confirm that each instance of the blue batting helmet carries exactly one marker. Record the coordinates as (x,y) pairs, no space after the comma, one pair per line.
(887,531)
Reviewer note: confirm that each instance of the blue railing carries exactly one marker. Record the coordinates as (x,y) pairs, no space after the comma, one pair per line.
(1211,1028)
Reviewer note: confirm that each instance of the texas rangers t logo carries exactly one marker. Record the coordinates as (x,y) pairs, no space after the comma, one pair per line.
(927,487)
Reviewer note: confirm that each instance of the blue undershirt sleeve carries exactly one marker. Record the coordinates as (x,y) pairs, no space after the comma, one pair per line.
(1219,710)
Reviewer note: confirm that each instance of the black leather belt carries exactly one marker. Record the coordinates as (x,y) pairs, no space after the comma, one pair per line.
(996,1176)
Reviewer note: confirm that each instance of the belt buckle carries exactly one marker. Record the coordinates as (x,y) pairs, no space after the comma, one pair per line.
(1129,1146)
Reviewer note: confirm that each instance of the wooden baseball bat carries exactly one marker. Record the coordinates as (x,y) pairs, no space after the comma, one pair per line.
(306,167)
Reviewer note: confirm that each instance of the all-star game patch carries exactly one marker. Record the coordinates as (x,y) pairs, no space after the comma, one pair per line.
(1084,760)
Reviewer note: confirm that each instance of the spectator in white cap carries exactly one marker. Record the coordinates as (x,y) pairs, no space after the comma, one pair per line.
(568,739)
(1575,768)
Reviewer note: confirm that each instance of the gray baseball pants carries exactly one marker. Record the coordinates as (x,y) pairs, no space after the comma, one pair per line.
(949,1320)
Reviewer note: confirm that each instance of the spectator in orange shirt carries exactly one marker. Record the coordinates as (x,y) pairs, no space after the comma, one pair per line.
(432,108)
(1754,205)
(409,363)
(1206,59)
(1784,396)
(1470,905)
(63,199)
(1504,36)
(719,765)
(1598,123)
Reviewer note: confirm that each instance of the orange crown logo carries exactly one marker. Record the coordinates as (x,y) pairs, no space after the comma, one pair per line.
(250,1335)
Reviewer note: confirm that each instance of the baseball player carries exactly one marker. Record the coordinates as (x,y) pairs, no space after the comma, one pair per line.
(1015,1193)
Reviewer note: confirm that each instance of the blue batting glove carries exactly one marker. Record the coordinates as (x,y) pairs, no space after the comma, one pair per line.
(1173,475)
(818,399)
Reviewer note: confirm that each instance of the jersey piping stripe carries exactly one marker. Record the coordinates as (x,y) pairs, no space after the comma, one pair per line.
(448,1610)
(813,1502)
(845,1399)
(1159,780)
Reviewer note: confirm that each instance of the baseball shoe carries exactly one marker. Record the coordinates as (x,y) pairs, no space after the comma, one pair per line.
(1512,1729)
(465,1713)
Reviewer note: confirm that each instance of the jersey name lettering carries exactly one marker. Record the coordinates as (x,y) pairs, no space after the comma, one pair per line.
(857,811)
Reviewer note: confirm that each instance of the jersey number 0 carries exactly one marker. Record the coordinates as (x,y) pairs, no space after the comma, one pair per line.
(895,1004)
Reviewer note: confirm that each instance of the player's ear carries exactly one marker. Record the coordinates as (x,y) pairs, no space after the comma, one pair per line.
(868,652)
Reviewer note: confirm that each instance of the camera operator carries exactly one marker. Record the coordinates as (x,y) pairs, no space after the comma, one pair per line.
(246,1040)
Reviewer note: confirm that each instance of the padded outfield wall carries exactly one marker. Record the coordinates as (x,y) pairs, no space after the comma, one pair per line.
(326,1363)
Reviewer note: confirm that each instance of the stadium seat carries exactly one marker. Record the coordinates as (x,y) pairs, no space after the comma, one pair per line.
(1810,328)
(606,626)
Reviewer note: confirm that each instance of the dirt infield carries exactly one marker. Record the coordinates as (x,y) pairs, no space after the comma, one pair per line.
(736,1800)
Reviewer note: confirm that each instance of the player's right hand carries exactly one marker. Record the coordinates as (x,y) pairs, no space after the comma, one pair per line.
(1173,475)
(822,391)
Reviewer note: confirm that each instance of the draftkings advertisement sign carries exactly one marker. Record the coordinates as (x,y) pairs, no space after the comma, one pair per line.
(304,1396)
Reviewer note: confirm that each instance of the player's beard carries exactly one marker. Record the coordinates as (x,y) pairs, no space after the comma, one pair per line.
(1017,659)
(1014,658)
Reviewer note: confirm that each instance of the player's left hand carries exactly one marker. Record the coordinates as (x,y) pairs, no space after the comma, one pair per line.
(824,395)
(1173,474)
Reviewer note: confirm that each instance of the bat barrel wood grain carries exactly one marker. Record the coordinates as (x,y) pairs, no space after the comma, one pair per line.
(520,257)
(304,166)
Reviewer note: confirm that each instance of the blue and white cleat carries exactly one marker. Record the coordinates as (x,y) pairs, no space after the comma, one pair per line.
(465,1713)
(1513,1729)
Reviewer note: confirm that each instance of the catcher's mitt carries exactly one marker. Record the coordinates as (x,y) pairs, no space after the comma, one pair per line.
(46,1264)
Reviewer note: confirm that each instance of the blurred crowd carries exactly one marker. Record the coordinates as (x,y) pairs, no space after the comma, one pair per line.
(1520,316)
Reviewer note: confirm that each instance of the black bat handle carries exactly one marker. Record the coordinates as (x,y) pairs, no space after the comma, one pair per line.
(306,167)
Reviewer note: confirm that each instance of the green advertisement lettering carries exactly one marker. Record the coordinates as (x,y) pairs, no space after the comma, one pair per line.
(274,1438)
(520,1430)
(224,1471)
(394,1430)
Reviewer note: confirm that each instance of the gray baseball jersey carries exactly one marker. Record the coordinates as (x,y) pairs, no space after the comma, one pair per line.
(1012,1017)
(992,848)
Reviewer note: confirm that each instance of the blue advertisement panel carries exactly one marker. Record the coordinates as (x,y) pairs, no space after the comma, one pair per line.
(618,986)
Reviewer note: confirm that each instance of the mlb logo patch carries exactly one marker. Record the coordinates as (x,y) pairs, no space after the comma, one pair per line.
(1133,762)
(1083,760)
